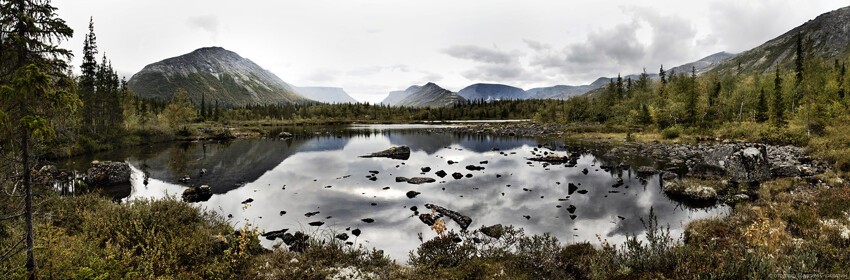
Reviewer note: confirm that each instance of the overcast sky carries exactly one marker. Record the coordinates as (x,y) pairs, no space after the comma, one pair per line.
(370,47)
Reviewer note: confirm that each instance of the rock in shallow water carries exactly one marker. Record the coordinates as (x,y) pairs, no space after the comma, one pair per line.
(461,220)
(420,180)
(412,194)
(197,194)
(402,153)
(699,191)
(107,173)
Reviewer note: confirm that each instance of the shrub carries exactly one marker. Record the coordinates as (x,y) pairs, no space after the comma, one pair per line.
(671,132)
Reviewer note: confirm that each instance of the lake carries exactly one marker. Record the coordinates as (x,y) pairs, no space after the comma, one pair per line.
(322,172)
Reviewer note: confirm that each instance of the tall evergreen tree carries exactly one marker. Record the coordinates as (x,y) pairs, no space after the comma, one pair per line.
(692,97)
(87,78)
(34,91)
(778,106)
(761,108)
(798,69)
(203,106)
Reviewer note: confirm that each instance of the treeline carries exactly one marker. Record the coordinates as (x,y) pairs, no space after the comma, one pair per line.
(475,109)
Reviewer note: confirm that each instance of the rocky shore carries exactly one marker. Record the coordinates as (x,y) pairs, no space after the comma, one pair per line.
(710,171)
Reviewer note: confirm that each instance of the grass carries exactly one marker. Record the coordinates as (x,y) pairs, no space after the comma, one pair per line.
(794,228)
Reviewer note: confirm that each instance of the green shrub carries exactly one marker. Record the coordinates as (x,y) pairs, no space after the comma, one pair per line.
(671,132)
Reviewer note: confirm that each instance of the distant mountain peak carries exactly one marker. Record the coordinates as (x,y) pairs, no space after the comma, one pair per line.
(427,95)
(489,92)
(214,74)
(325,94)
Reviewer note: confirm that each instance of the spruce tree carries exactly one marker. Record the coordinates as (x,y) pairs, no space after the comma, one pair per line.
(35,90)
(692,98)
(778,106)
(761,108)
(798,69)
(87,78)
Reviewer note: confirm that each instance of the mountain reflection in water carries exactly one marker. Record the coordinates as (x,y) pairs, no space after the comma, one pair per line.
(323,173)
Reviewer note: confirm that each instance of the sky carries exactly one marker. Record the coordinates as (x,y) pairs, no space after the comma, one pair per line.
(372,47)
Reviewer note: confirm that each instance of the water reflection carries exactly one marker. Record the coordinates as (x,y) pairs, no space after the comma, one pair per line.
(324,174)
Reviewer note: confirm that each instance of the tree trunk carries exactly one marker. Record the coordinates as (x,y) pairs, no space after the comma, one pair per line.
(28,212)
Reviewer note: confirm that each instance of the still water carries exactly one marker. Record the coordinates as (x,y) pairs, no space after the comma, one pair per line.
(322,172)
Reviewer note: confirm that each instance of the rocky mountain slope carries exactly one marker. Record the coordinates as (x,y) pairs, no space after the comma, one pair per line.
(330,95)
(217,74)
(827,36)
(490,92)
(428,95)
(395,96)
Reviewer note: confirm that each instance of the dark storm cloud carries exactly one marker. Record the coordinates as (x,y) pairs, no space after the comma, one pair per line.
(480,54)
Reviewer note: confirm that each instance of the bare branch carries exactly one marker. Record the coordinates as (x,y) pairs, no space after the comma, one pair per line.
(12,251)
(9,217)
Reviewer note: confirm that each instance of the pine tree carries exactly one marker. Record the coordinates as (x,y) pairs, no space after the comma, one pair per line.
(663,75)
(619,89)
(778,106)
(798,69)
(692,97)
(203,106)
(644,118)
(761,108)
(643,81)
(217,114)
(87,78)
(35,90)
(842,72)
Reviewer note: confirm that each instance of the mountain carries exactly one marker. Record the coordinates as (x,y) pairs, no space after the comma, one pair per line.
(429,95)
(828,35)
(492,92)
(557,92)
(396,96)
(325,94)
(705,64)
(217,75)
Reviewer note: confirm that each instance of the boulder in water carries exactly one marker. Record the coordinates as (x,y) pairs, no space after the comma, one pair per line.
(197,194)
(107,173)
(402,153)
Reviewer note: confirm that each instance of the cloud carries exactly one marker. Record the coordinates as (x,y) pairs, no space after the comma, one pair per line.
(209,23)
(646,40)
(373,70)
(495,72)
(432,77)
(741,25)
(322,75)
(536,45)
(479,54)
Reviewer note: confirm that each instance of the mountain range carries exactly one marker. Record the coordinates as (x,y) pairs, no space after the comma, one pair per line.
(224,76)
